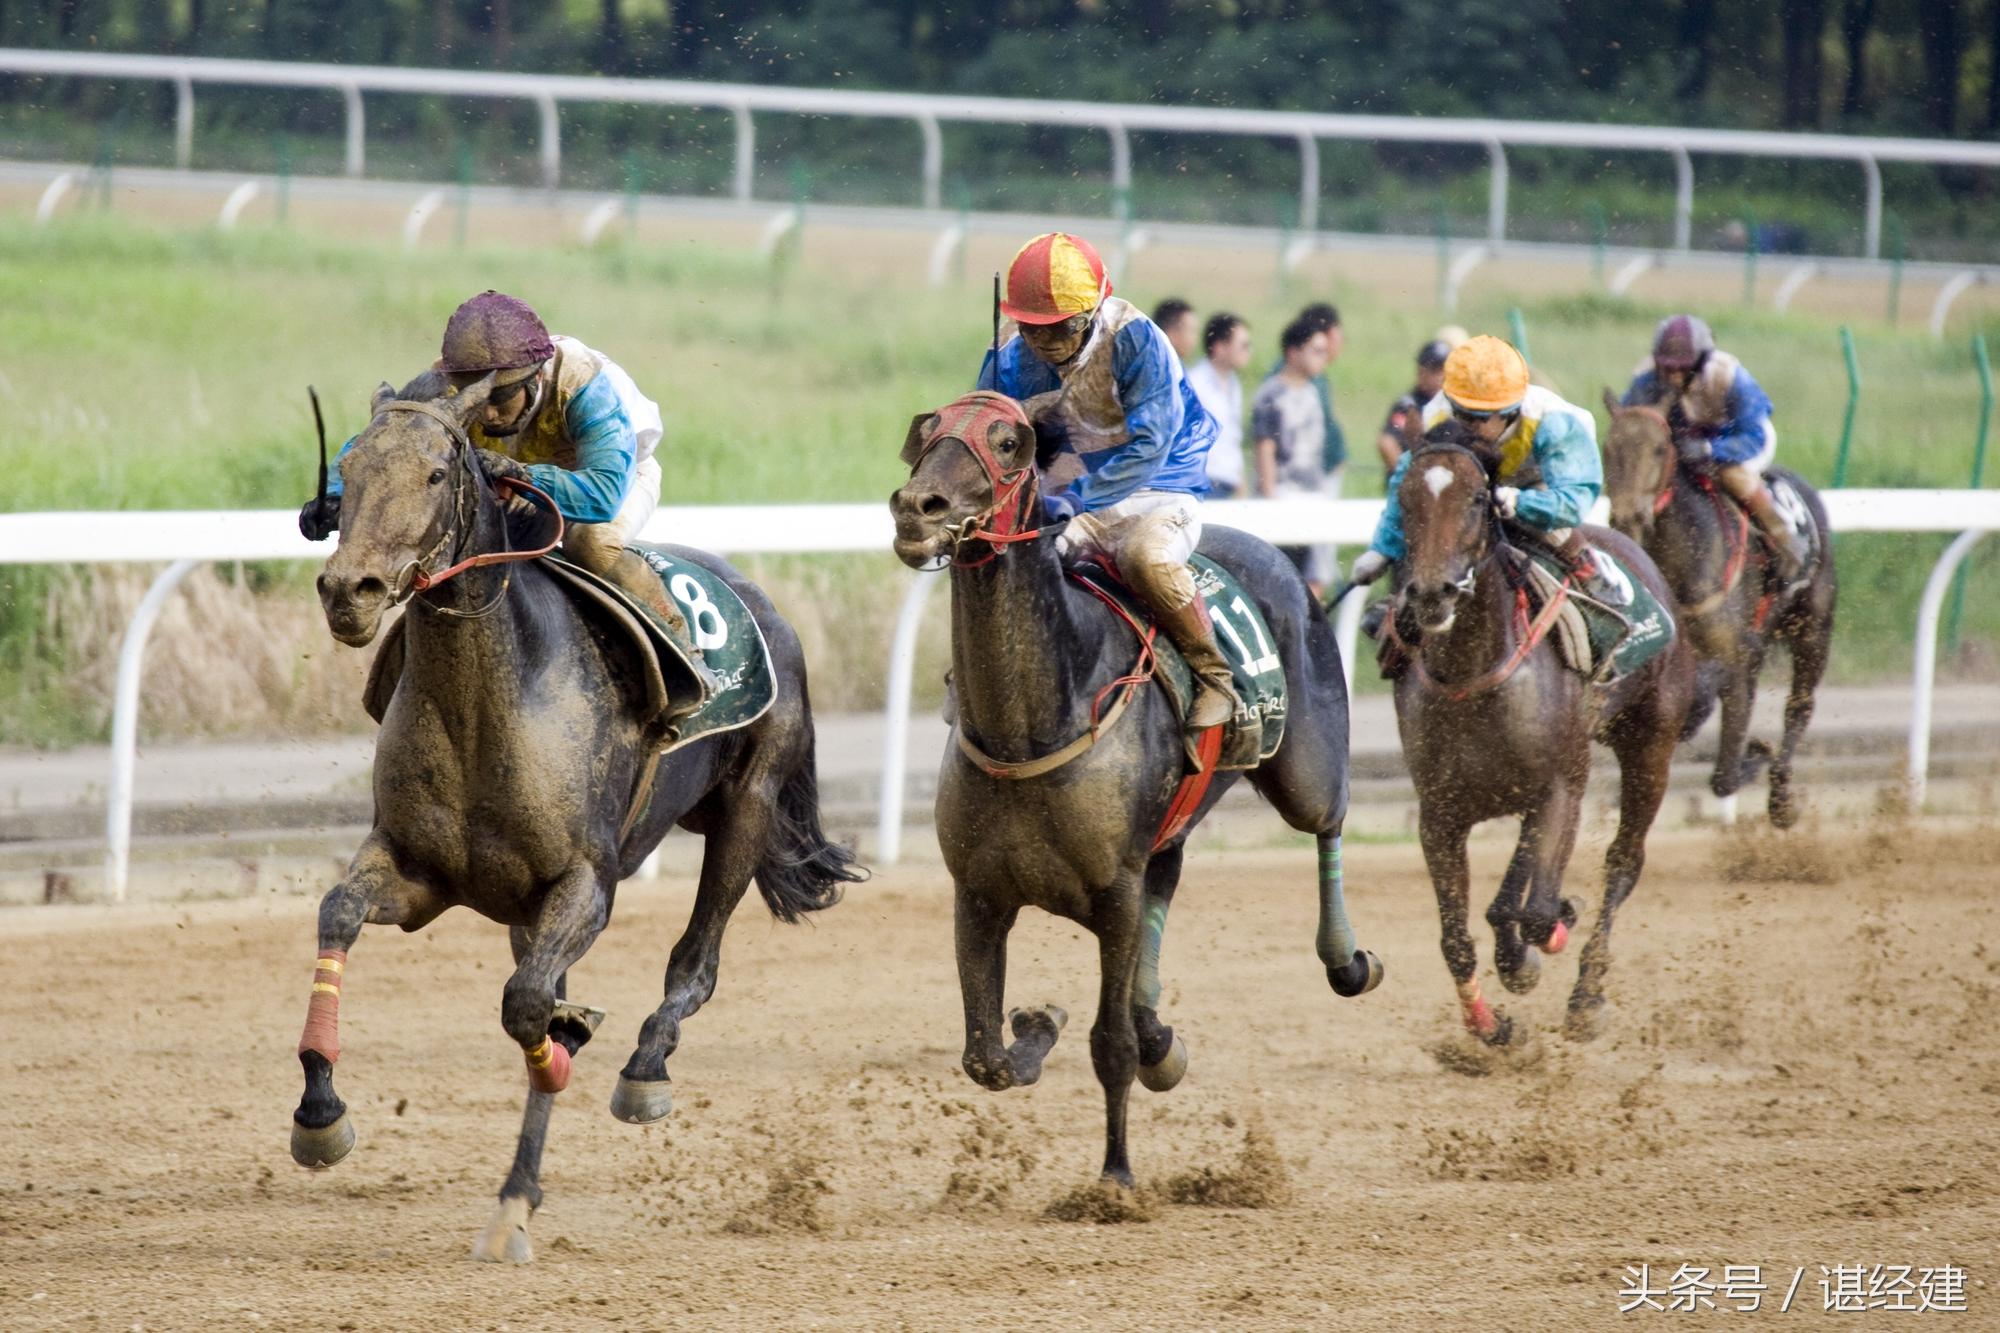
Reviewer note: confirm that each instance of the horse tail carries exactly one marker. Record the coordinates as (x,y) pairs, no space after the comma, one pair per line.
(1707,689)
(802,871)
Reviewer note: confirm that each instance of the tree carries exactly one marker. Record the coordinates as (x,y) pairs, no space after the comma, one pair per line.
(1800,26)
(1695,38)
(1940,32)
(1856,18)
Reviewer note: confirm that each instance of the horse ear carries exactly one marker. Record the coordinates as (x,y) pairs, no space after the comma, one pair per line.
(467,401)
(385,392)
(922,427)
(1610,402)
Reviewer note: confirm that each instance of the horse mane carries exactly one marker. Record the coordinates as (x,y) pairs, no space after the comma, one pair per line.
(429,386)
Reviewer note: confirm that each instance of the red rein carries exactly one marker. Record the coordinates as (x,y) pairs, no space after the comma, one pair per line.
(425,581)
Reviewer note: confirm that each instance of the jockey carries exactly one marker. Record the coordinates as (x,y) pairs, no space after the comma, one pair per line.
(1549,472)
(568,420)
(1100,380)
(1719,416)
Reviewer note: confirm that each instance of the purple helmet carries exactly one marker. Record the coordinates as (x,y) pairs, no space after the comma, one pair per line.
(493,332)
(1682,342)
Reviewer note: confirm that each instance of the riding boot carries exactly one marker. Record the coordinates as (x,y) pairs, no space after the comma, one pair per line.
(1215,701)
(1587,567)
(1786,547)
(638,580)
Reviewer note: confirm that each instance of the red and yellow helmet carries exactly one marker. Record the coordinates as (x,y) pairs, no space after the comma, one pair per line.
(1053,277)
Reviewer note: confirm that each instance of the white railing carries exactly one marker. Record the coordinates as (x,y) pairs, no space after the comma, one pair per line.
(184,539)
(927,111)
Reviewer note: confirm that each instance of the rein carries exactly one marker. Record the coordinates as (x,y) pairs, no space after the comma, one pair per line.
(464,497)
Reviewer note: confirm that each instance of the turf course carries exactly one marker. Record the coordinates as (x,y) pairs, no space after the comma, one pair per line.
(155,367)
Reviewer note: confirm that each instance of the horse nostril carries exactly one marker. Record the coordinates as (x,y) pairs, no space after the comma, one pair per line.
(933,506)
(371,588)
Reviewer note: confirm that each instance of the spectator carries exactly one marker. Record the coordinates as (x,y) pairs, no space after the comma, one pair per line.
(1214,377)
(1288,423)
(1176,319)
(1404,427)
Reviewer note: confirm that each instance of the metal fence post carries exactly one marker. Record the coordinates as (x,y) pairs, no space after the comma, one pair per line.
(1853,401)
(125,726)
(1683,199)
(357,131)
(1978,478)
(746,152)
(896,718)
(551,140)
(1496,192)
(933,161)
(1871,225)
(1308,183)
(1924,673)
(183,122)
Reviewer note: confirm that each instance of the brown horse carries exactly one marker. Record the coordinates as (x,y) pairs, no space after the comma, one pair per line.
(1714,564)
(512,776)
(1494,724)
(1067,761)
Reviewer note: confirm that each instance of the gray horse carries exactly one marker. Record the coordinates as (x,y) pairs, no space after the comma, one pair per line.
(1045,816)
(511,757)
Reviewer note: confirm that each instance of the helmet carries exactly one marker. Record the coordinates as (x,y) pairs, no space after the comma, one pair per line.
(1433,354)
(1053,277)
(1682,342)
(497,333)
(1451,335)
(1485,375)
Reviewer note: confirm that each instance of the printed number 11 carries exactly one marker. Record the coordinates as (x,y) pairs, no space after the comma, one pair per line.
(1264,660)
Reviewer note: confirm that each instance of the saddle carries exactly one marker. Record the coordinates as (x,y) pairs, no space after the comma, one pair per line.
(1239,628)
(668,693)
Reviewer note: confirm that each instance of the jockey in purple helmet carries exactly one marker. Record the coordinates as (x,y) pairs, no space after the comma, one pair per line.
(1721,418)
(565,418)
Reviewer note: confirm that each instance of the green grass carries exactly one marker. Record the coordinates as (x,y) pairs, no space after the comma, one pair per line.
(167,369)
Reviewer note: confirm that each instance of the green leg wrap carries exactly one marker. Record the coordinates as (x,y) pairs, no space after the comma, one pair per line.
(1336,938)
(1152,925)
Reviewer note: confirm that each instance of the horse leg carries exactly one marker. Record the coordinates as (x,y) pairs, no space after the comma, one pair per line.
(981,928)
(1163,1057)
(372,891)
(1734,765)
(1644,759)
(1114,1045)
(1809,652)
(1546,916)
(1443,840)
(1350,970)
(1519,968)
(735,843)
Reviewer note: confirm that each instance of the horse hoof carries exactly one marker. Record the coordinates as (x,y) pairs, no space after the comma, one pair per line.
(1362,974)
(1584,1022)
(1558,937)
(1025,1021)
(505,1240)
(1523,979)
(317,1149)
(638,1102)
(1499,1034)
(1163,1076)
(1784,811)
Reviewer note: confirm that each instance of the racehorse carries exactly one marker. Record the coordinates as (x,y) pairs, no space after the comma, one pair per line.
(1058,791)
(1494,724)
(1704,546)
(511,760)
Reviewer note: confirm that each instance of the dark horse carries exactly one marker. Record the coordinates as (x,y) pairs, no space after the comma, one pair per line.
(1707,550)
(509,757)
(1063,807)
(1494,724)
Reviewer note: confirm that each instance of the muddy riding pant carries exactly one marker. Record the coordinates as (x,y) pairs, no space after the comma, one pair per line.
(600,547)
(1148,538)
(1745,479)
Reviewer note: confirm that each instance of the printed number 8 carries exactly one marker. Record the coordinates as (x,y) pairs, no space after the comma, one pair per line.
(704,616)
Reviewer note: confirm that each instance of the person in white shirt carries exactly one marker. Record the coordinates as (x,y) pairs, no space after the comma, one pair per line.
(1215,381)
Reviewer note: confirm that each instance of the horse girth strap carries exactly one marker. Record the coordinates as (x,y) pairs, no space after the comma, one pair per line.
(1048,763)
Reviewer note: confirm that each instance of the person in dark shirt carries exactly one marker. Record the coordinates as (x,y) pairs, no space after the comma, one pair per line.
(1403,428)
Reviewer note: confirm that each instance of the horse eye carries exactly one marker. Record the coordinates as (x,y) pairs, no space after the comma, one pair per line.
(437,477)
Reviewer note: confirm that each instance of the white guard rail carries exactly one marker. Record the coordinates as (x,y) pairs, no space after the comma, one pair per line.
(183,539)
(926,111)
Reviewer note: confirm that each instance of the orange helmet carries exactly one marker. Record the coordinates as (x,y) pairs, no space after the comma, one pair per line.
(1053,277)
(1485,375)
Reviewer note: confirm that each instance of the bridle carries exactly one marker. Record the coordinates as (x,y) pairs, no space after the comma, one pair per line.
(1492,537)
(1665,495)
(417,576)
(1014,495)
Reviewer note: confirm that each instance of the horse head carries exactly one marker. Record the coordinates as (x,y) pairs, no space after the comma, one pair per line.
(987,490)
(1638,466)
(410,494)
(1448,528)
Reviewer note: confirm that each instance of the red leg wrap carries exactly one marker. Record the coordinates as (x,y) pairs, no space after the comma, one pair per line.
(548,1066)
(322,1033)
(1557,939)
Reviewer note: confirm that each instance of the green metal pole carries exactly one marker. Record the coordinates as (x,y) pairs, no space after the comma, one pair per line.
(1519,326)
(1749,256)
(1600,236)
(1853,401)
(1978,479)
(1898,250)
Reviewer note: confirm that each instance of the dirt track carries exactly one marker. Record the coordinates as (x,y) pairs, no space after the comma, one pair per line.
(1793,1074)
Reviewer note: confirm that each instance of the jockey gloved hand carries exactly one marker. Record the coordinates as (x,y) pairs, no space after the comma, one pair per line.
(1368,567)
(319,518)
(498,465)
(1058,508)
(1505,500)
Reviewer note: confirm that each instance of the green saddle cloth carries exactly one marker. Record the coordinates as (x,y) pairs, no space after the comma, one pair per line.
(731,643)
(1631,635)
(1239,628)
